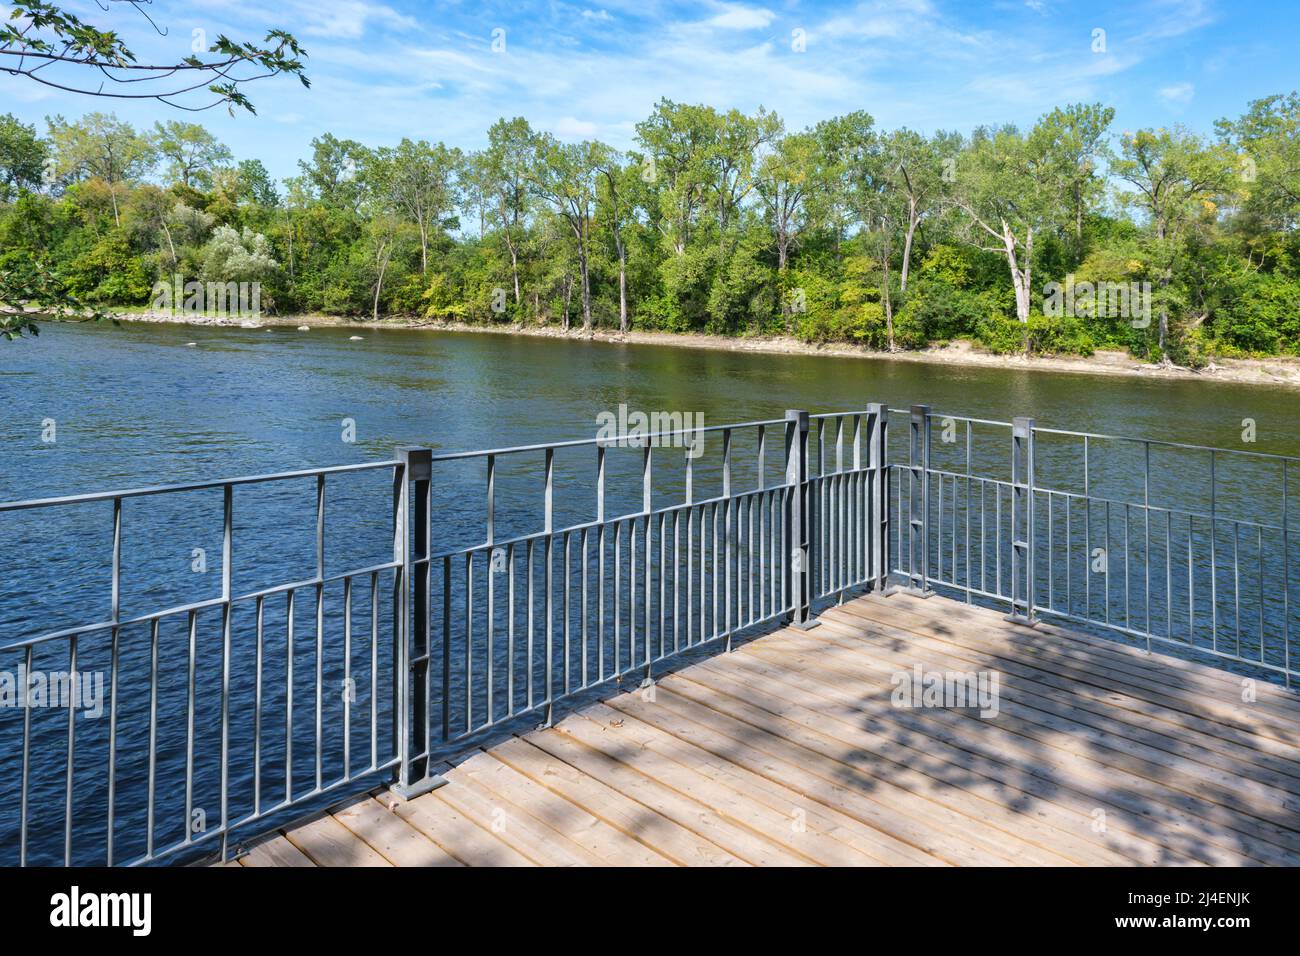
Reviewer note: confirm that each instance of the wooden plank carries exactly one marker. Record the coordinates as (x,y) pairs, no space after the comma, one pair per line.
(1204,689)
(512,826)
(566,819)
(877,804)
(1200,773)
(783,827)
(876,847)
(1063,793)
(391,836)
(1110,766)
(984,821)
(457,834)
(637,821)
(703,820)
(330,843)
(277,851)
(1157,668)
(1216,762)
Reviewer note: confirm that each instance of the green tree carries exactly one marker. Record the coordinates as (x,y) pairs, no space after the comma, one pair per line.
(1008,187)
(565,176)
(22,157)
(102,146)
(1176,178)
(190,152)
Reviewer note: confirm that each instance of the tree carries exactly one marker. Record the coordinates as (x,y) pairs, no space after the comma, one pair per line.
(1075,139)
(22,157)
(564,175)
(1176,177)
(914,166)
(617,199)
(333,171)
(254,184)
(419,181)
(678,141)
(1267,139)
(191,153)
(787,179)
(503,170)
(102,146)
(1009,188)
(47,45)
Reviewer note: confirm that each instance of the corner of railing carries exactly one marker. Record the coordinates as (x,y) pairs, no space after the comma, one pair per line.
(412,487)
(1022,522)
(798,567)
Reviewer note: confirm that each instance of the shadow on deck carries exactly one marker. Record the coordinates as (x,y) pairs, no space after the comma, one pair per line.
(791,751)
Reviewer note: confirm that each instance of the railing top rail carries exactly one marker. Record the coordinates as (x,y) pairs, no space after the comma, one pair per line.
(1042,430)
(205,485)
(1185,446)
(635,439)
(956,418)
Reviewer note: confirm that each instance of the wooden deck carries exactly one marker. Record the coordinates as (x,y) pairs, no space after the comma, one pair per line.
(788,751)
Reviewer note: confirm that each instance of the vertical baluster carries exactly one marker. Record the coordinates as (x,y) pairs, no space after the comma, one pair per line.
(490,547)
(374,669)
(468,665)
(690,551)
(728,532)
(568,614)
(1146,532)
(189,727)
(227,572)
(288,698)
(550,584)
(151,797)
(72,748)
(510,630)
(600,562)
(27,761)
(348,691)
(320,620)
(585,611)
(114,637)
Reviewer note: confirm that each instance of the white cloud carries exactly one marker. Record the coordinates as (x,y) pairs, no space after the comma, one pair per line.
(735,16)
(601,15)
(1179,94)
(569,127)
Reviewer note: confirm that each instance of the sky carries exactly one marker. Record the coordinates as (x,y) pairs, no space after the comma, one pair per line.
(447,71)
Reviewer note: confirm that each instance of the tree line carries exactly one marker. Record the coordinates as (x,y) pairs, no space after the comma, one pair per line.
(716,221)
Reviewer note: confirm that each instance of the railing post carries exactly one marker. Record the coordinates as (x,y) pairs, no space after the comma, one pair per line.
(798,564)
(1022,521)
(878,493)
(412,484)
(918,502)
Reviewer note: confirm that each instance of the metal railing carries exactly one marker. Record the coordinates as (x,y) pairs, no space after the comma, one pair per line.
(1177,546)
(523,615)
(133,789)
(500,583)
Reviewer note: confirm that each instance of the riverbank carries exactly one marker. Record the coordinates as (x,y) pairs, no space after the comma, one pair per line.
(1270,371)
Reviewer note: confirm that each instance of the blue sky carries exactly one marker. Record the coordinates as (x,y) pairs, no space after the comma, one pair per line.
(381,71)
